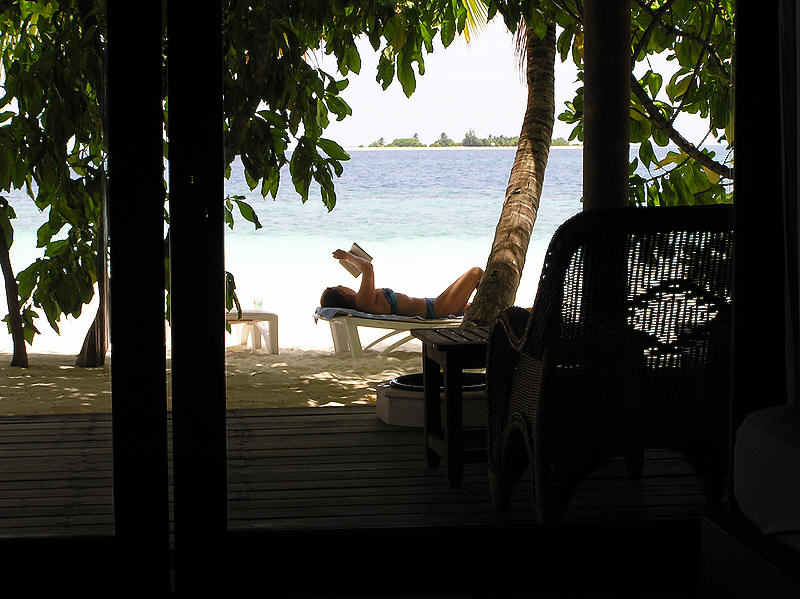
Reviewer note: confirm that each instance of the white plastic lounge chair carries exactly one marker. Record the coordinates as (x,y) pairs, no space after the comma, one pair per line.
(344,325)
(253,325)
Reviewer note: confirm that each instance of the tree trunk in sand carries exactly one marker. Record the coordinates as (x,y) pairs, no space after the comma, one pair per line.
(503,270)
(20,354)
(95,344)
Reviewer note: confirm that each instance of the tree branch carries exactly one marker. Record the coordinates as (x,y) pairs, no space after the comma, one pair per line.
(666,127)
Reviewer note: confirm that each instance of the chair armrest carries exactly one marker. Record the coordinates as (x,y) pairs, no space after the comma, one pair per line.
(519,326)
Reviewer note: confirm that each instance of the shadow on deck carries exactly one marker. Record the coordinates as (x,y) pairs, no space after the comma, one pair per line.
(321,498)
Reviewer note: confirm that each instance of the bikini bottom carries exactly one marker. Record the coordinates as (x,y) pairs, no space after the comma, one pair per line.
(429,311)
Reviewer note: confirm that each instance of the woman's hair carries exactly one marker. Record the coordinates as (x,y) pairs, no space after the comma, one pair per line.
(333,297)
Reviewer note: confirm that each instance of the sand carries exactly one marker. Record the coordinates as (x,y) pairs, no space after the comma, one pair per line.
(255,379)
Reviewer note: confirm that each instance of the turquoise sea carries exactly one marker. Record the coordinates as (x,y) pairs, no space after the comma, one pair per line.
(424,215)
(405,194)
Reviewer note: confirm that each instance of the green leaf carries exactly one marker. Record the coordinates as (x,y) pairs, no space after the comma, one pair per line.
(228,214)
(385,71)
(448,31)
(6,214)
(672,158)
(271,184)
(676,88)
(299,169)
(338,106)
(353,59)
(247,212)
(540,27)
(564,42)
(322,119)
(646,153)
(28,328)
(711,175)
(661,138)
(51,312)
(57,248)
(27,279)
(332,149)
(44,234)
(405,74)
(653,81)
(427,36)
(251,181)
(273,118)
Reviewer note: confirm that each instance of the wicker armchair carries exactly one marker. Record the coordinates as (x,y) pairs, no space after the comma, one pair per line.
(627,346)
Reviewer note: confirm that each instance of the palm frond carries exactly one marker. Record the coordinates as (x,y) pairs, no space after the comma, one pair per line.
(476,18)
(521,44)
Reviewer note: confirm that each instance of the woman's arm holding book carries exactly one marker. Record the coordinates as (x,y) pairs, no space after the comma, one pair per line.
(365,298)
(359,263)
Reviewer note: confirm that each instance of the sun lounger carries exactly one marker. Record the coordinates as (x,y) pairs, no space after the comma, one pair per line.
(344,325)
(256,324)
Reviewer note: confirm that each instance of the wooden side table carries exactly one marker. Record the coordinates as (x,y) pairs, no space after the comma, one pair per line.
(452,350)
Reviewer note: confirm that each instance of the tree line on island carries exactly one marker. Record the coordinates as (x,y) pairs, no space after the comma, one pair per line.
(470,140)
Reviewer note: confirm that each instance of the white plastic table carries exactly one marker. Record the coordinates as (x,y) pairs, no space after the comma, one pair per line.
(256,324)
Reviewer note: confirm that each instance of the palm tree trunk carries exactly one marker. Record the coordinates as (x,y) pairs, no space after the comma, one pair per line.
(503,271)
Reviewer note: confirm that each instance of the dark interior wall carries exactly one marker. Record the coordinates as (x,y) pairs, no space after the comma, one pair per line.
(759,373)
(789,82)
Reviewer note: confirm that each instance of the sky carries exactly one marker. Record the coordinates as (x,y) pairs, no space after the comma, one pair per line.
(477,85)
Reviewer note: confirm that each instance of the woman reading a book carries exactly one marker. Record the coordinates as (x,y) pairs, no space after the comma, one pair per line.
(452,301)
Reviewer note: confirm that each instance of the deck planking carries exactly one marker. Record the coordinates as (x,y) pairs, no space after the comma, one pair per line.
(338,468)
(332,481)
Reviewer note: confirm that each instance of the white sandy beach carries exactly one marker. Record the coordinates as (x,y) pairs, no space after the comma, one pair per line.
(255,379)
(304,374)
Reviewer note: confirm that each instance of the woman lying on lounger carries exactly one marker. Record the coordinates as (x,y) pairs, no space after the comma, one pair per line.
(453,300)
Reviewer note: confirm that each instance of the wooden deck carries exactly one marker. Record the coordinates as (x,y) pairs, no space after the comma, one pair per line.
(339,489)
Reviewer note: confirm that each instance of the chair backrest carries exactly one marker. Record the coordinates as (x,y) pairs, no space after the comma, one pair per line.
(645,286)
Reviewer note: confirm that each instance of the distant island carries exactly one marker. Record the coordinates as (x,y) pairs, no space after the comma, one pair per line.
(470,140)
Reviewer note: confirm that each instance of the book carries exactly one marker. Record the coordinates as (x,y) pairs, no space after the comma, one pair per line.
(356,250)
